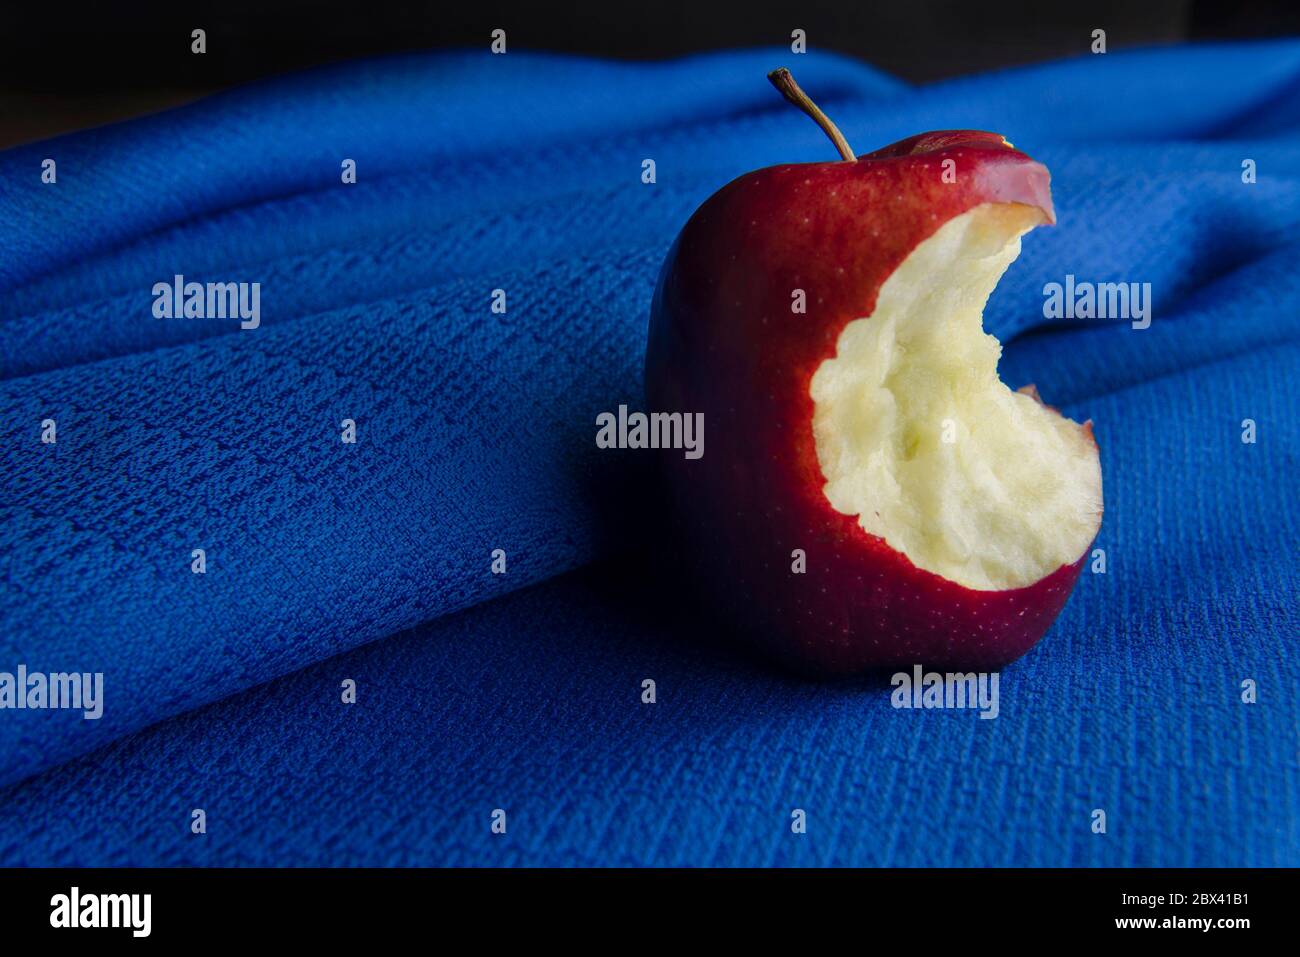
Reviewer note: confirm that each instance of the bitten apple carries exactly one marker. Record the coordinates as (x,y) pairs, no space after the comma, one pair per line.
(873,495)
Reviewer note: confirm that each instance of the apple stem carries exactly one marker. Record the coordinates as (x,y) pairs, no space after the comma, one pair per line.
(784,81)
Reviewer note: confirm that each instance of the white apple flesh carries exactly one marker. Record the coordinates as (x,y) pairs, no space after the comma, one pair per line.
(918,438)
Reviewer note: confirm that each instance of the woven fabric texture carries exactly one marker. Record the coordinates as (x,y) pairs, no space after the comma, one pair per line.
(475,431)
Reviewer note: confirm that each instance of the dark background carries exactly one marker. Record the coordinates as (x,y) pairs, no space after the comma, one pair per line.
(64,66)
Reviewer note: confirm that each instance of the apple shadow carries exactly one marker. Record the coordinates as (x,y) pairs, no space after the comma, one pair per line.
(644,578)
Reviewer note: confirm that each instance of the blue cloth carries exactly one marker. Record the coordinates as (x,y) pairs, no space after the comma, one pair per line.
(475,432)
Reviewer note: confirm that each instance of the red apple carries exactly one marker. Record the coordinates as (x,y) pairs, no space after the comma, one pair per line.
(871,494)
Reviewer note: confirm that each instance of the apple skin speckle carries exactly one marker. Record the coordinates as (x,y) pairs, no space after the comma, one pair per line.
(737,513)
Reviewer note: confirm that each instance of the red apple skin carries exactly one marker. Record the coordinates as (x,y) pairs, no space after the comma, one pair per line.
(724,341)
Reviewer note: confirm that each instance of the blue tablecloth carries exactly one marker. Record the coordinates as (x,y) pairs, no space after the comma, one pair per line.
(371,561)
